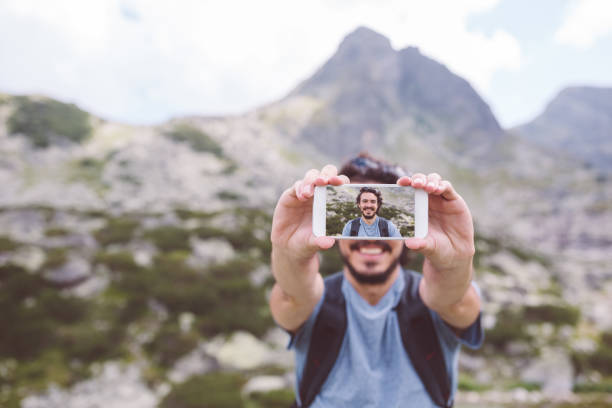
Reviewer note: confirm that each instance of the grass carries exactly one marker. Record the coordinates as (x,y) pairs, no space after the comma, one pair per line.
(47,121)
(195,138)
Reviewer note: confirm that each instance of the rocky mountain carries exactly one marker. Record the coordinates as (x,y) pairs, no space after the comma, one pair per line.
(136,258)
(577,123)
(368,91)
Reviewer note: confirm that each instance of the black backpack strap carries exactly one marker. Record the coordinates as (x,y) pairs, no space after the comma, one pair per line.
(326,340)
(422,343)
(355,224)
(383,227)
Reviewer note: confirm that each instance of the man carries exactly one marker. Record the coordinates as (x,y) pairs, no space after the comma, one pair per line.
(369,201)
(371,366)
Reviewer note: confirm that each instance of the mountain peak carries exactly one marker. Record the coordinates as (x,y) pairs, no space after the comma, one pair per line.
(365,39)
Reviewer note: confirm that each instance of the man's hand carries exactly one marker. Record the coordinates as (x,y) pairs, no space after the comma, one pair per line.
(295,264)
(448,249)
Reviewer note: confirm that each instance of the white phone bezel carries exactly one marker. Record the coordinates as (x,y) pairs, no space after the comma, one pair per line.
(421,211)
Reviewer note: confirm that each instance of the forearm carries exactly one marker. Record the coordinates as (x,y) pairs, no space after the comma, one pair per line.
(451,295)
(298,288)
(296,277)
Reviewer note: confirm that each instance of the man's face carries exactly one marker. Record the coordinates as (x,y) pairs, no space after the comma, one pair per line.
(368,204)
(371,262)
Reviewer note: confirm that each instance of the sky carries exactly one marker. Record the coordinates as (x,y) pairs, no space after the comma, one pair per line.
(146,61)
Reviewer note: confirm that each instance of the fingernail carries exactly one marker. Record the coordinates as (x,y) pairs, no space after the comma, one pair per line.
(430,184)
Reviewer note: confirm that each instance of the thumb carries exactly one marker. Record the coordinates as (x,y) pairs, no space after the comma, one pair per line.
(425,246)
(321,242)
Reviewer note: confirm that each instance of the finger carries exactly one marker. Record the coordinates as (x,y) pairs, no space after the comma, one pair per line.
(433,180)
(329,171)
(419,180)
(425,246)
(308,182)
(297,190)
(322,242)
(404,181)
(345,179)
(446,190)
(337,180)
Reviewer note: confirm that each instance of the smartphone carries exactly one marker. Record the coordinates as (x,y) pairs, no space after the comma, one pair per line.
(369,211)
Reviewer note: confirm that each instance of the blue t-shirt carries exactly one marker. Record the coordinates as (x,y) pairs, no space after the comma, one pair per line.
(366,230)
(373,368)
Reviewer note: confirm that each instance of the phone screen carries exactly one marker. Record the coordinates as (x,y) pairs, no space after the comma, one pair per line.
(370,211)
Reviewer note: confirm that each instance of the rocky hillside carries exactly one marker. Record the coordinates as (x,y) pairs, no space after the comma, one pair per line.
(577,123)
(134,261)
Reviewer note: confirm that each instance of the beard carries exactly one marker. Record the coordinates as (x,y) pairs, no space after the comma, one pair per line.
(366,278)
(368,217)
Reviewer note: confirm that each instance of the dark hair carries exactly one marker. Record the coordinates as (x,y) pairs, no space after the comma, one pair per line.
(374,191)
(365,167)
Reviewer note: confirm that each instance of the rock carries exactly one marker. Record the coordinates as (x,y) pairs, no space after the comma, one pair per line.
(116,386)
(73,272)
(194,363)
(553,370)
(265,383)
(243,351)
(209,251)
(29,257)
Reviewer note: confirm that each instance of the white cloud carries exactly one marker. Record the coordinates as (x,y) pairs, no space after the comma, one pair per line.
(585,22)
(146,60)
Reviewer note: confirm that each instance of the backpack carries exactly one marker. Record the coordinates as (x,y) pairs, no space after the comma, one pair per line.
(419,338)
(382,226)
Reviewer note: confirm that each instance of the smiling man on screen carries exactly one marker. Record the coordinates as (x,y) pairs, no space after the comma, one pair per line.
(370,224)
(374,334)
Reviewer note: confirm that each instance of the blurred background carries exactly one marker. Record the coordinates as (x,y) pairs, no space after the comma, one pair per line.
(143,146)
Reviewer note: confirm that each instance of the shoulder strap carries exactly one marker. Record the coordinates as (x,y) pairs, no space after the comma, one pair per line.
(383,227)
(422,343)
(326,340)
(355,224)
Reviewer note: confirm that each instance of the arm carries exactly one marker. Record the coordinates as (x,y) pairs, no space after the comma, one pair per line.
(295,264)
(449,250)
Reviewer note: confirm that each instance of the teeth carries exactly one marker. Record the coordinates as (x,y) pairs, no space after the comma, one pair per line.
(371,251)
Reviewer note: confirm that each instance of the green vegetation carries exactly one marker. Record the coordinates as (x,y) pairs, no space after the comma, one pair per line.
(214,390)
(56,257)
(89,171)
(7,244)
(230,196)
(195,138)
(605,386)
(117,231)
(45,121)
(599,360)
(555,314)
(185,214)
(170,344)
(467,383)
(529,386)
(282,398)
(57,232)
(169,238)
(510,327)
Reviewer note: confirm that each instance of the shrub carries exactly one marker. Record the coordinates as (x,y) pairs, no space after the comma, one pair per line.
(56,257)
(169,238)
(510,327)
(116,231)
(7,244)
(195,138)
(555,314)
(213,390)
(47,120)
(57,232)
(273,399)
(170,344)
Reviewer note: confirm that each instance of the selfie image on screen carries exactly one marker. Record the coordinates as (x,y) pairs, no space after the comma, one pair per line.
(369,211)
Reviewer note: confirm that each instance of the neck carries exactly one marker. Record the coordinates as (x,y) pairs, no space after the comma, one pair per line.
(372,293)
(370,221)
